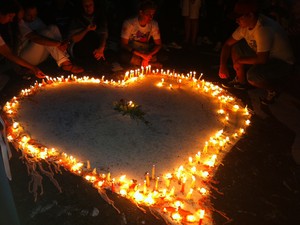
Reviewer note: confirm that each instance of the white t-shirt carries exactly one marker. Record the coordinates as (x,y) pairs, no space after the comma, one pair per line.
(133,31)
(24,30)
(267,36)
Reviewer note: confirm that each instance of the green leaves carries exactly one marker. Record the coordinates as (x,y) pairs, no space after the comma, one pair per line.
(131,109)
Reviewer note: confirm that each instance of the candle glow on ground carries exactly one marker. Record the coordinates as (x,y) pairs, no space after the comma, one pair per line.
(167,164)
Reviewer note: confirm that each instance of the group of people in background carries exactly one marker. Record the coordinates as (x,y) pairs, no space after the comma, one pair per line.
(255,36)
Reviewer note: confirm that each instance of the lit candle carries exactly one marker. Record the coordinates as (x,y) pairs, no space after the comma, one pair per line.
(202,212)
(145,187)
(153,172)
(147,180)
(205,147)
(190,160)
(193,181)
(199,78)
(198,155)
(168,179)
(156,184)
(113,185)
(183,185)
(189,194)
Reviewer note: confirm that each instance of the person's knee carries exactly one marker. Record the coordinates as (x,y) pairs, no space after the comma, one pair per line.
(54,30)
(251,76)
(254,78)
(47,33)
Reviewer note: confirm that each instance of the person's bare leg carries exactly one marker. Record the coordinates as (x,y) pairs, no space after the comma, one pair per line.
(239,68)
(194,30)
(187,29)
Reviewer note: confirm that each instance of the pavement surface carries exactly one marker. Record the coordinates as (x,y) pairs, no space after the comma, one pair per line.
(257,183)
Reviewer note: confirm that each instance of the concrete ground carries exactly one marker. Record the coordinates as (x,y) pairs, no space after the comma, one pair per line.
(257,183)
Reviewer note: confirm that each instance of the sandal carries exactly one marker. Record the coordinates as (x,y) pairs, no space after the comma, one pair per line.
(68,66)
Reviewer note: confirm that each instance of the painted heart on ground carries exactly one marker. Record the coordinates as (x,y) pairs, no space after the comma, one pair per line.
(190,126)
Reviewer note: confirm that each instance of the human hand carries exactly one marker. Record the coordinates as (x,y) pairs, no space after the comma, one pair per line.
(146,57)
(223,72)
(91,27)
(99,54)
(145,63)
(38,73)
(63,45)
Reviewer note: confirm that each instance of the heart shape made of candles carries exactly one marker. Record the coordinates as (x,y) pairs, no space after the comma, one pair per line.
(189,127)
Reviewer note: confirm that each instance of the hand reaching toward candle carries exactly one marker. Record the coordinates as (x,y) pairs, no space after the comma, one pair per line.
(145,63)
(38,73)
(223,72)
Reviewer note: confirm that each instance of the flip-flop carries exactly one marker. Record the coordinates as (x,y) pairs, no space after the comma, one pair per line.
(71,68)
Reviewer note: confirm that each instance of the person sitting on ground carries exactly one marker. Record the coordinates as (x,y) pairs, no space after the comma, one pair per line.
(89,33)
(8,10)
(38,41)
(266,52)
(137,47)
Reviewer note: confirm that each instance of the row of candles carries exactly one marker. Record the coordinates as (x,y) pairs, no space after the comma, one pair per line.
(181,194)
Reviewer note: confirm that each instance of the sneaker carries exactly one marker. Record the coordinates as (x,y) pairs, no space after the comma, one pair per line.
(206,41)
(174,45)
(230,84)
(270,98)
(240,86)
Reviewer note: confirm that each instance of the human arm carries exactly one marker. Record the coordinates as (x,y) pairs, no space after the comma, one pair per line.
(99,52)
(28,34)
(156,48)
(224,57)
(145,56)
(7,53)
(42,40)
(79,35)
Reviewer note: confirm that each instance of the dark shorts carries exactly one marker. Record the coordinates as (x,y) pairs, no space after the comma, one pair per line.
(273,72)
